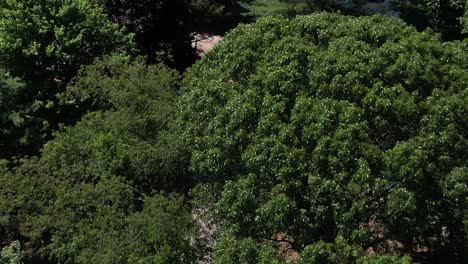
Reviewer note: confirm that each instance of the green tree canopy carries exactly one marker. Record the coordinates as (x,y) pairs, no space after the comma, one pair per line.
(45,42)
(102,222)
(330,126)
(128,134)
(260,8)
(17,128)
(94,195)
(49,40)
(11,254)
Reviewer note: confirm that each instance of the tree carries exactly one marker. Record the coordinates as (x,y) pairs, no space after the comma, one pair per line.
(384,260)
(445,17)
(128,134)
(161,232)
(97,223)
(330,126)
(464,21)
(330,253)
(11,254)
(96,192)
(45,42)
(26,193)
(232,250)
(259,8)
(60,221)
(18,129)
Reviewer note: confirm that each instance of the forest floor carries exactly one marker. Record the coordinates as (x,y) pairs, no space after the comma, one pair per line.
(204,42)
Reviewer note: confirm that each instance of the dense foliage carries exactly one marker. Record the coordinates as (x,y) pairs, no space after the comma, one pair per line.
(91,195)
(45,43)
(11,254)
(66,222)
(318,139)
(131,138)
(17,129)
(261,8)
(446,17)
(49,40)
(334,135)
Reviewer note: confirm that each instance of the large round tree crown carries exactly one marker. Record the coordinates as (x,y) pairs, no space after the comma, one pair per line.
(329,126)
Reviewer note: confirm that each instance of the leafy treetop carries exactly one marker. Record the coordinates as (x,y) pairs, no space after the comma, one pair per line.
(100,190)
(332,129)
(45,42)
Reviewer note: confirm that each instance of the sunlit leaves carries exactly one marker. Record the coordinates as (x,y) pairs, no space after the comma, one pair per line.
(329,126)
